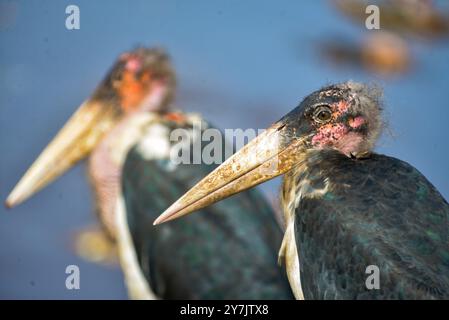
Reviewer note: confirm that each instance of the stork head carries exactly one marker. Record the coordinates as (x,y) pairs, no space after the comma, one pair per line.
(140,80)
(345,117)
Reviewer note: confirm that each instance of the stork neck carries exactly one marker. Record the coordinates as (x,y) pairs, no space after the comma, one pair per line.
(311,178)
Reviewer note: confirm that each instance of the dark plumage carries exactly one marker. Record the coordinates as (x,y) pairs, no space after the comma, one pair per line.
(228,251)
(377,211)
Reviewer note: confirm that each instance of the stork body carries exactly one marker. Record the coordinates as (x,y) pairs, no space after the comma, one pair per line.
(348,214)
(210,255)
(348,210)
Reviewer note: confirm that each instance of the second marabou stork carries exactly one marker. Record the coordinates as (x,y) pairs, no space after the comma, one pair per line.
(346,208)
(125,129)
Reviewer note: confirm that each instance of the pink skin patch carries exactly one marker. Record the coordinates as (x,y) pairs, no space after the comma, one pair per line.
(133,64)
(329,134)
(342,106)
(337,136)
(339,108)
(356,122)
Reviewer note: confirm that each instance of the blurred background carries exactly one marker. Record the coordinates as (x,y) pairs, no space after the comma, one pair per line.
(242,64)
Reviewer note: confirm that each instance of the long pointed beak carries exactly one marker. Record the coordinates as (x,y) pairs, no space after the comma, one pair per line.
(72,143)
(269,155)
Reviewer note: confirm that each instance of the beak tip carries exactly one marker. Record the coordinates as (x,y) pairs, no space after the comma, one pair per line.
(170,213)
(8,204)
(12,200)
(161,219)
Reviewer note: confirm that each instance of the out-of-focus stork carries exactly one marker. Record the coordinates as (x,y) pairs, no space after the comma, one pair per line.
(346,207)
(427,19)
(125,129)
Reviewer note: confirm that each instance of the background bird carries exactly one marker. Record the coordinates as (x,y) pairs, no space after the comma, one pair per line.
(389,50)
(383,53)
(346,207)
(131,107)
(412,18)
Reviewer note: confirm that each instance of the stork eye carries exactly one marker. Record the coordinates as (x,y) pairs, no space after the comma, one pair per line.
(322,114)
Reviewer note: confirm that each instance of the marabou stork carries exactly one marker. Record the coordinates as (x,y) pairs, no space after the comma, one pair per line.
(346,207)
(125,128)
